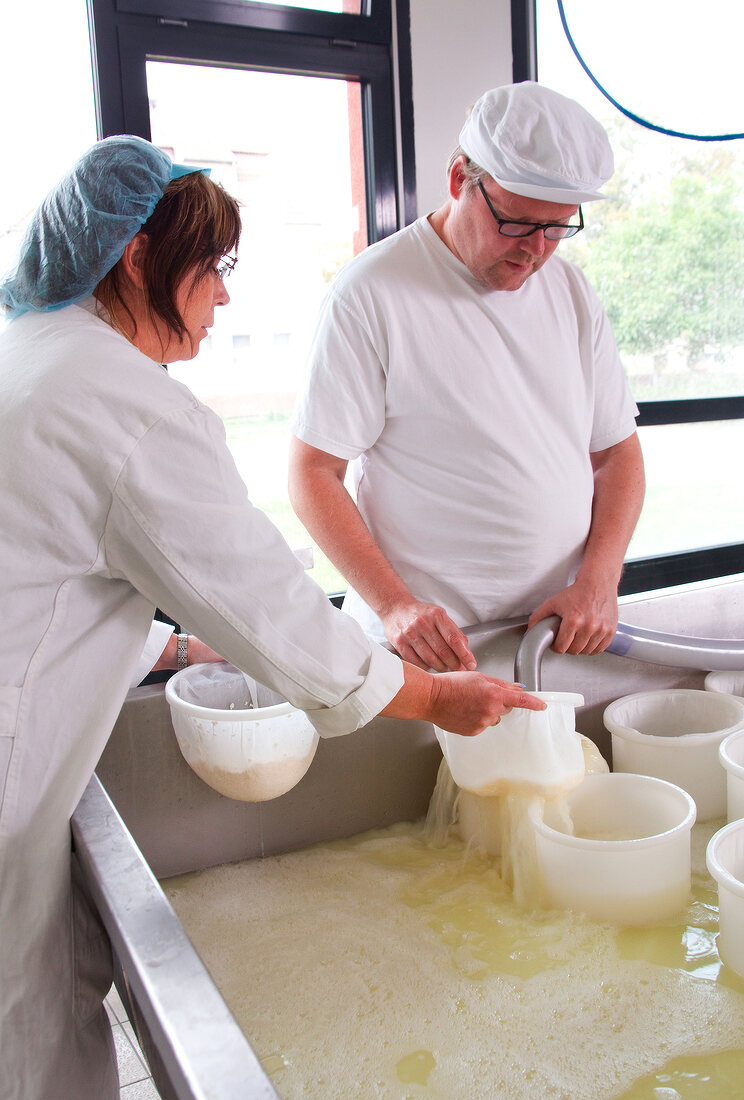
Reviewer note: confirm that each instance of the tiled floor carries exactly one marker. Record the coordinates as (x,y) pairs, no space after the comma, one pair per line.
(134,1076)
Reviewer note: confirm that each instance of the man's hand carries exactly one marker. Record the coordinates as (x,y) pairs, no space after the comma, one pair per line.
(588,617)
(424,635)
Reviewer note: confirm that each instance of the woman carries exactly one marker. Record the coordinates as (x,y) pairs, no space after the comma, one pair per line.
(118,495)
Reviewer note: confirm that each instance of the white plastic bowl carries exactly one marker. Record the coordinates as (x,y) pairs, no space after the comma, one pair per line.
(627,861)
(533,751)
(731,755)
(249,754)
(730,683)
(725,859)
(675,735)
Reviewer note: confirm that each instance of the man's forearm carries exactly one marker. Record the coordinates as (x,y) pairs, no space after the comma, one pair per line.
(587,607)
(331,517)
(619,487)
(422,633)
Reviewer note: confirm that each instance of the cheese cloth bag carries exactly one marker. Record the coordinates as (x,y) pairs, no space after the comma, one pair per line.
(221,686)
(528,751)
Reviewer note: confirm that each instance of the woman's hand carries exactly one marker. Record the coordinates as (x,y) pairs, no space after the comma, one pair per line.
(459,702)
(467,702)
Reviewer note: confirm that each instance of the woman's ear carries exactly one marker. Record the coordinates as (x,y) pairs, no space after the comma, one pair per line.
(133,258)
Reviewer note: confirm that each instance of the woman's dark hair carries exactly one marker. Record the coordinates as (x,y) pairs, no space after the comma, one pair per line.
(193,226)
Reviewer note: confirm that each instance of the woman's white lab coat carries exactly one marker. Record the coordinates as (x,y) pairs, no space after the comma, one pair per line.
(118,494)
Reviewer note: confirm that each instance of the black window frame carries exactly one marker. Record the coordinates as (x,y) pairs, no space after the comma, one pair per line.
(371,25)
(374,48)
(685,566)
(125,34)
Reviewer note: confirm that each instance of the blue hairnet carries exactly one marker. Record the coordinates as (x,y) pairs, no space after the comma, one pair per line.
(84,224)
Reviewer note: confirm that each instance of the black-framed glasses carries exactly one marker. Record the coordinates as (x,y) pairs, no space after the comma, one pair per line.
(225,267)
(554,231)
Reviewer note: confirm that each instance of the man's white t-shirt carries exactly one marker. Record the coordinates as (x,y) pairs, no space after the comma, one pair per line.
(471,414)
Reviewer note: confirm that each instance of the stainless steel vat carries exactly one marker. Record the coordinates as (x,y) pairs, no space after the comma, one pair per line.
(375,777)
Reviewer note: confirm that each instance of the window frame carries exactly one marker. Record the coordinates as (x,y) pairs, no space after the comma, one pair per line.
(125,35)
(374,48)
(372,25)
(692,564)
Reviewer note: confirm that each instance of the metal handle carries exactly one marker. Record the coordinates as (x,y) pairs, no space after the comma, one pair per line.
(529,655)
(655,647)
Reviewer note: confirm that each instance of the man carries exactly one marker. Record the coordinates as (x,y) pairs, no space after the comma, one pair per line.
(499,472)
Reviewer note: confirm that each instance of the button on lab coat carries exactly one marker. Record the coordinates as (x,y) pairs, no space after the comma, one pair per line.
(119,494)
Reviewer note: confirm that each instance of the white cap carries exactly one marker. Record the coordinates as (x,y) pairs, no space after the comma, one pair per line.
(537,143)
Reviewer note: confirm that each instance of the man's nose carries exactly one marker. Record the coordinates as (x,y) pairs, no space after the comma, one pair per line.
(535,242)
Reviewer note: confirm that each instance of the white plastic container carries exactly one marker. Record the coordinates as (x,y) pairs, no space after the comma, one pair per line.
(731,755)
(675,735)
(725,859)
(245,751)
(617,850)
(479,820)
(528,750)
(729,683)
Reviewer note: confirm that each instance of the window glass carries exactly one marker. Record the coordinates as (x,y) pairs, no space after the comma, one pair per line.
(695,487)
(49,118)
(290,149)
(666,250)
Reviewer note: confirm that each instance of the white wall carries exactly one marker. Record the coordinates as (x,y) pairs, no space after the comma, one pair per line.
(459,49)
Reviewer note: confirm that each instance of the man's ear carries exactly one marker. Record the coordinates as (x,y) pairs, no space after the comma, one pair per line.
(132,259)
(457,178)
